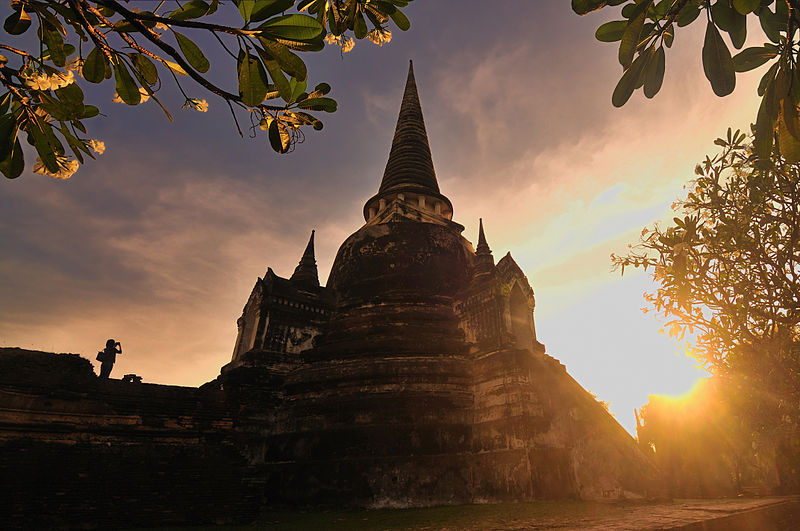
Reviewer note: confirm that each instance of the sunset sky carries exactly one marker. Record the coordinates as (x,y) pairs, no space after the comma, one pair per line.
(159,242)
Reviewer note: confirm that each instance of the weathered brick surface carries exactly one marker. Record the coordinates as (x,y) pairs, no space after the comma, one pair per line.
(76,451)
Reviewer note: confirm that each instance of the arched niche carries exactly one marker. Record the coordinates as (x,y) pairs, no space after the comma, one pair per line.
(521,318)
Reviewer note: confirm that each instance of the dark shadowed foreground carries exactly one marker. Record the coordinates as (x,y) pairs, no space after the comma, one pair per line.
(765,514)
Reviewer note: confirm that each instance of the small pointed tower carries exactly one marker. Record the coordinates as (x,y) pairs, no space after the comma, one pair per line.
(409,175)
(305,274)
(485,263)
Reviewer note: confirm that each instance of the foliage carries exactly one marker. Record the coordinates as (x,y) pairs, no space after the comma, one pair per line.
(105,40)
(727,270)
(648,26)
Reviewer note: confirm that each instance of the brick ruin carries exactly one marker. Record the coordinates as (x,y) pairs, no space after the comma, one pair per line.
(413,378)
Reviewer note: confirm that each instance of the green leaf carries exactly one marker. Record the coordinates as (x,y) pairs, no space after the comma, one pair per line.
(771,24)
(68,50)
(767,78)
(746,6)
(14,163)
(71,98)
(71,94)
(55,108)
(194,56)
(246,9)
(322,88)
(753,57)
(400,19)
(75,145)
(289,62)
(127,88)
(298,88)
(252,79)
(190,10)
(765,124)
(688,14)
(309,119)
(38,138)
(303,4)
(175,67)
(94,67)
(275,72)
(123,26)
(90,111)
(360,26)
(264,9)
(55,44)
(654,73)
(611,31)
(669,36)
(629,41)
(17,23)
(628,82)
(731,21)
(717,62)
(319,104)
(724,15)
(279,137)
(294,27)
(8,134)
(146,68)
(582,7)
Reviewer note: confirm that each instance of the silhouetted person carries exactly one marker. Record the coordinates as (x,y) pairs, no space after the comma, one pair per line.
(108,356)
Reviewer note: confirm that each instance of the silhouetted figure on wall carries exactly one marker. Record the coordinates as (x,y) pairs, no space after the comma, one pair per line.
(108,356)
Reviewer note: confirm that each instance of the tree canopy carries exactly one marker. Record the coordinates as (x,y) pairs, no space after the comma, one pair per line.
(648,27)
(727,270)
(728,266)
(135,50)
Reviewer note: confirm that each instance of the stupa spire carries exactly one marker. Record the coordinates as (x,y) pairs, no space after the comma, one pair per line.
(305,274)
(410,161)
(485,263)
(483,247)
(409,171)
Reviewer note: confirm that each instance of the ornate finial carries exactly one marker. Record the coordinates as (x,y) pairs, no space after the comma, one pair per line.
(305,274)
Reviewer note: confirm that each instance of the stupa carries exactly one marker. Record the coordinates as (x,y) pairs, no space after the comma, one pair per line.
(415,376)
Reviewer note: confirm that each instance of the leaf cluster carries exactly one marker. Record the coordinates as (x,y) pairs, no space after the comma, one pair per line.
(116,42)
(648,27)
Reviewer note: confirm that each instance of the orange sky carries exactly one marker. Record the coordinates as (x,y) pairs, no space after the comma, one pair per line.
(160,241)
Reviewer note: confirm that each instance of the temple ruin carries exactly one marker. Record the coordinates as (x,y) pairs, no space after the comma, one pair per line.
(413,378)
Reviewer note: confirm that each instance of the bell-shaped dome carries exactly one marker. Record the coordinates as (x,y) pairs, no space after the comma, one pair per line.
(401,261)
